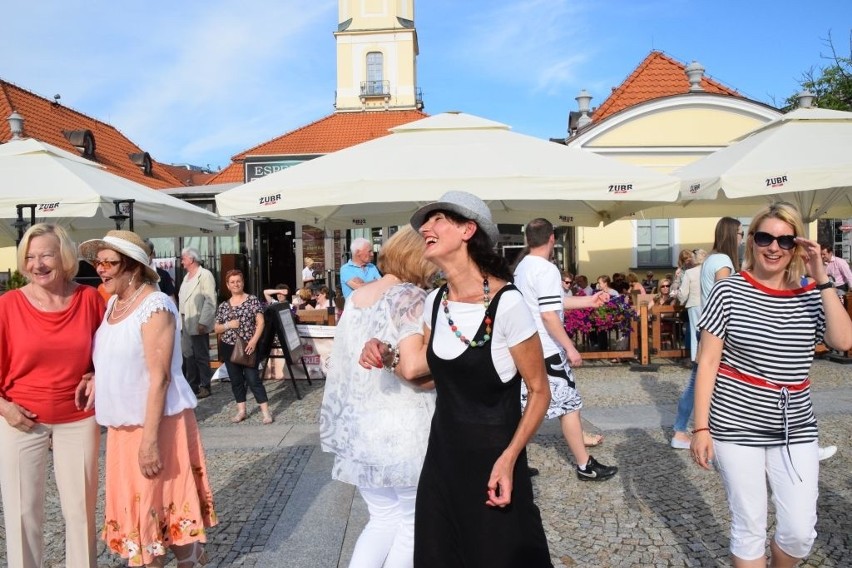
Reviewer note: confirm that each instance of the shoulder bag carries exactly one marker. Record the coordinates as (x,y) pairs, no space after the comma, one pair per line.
(239,355)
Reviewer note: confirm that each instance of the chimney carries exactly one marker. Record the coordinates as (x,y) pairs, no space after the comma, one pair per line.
(583,100)
(16,125)
(694,73)
(806,99)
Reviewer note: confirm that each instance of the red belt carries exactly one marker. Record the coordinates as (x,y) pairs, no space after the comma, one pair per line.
(731,373)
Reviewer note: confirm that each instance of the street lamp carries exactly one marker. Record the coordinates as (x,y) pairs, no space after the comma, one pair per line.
(20,223)
(120,215)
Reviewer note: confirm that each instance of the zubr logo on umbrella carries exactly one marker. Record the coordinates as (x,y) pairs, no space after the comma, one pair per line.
(566,219)
(620,187)
(267,200)
(48,207)
(776,181)
(694,188)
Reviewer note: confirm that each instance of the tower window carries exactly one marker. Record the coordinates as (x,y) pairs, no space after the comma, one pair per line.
(375,74)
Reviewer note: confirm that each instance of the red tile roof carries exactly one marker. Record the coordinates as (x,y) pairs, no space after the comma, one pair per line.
(189,177)
(657,76)
(330,134)
(46,120)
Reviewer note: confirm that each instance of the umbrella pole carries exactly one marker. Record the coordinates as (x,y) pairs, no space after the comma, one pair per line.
(19,223)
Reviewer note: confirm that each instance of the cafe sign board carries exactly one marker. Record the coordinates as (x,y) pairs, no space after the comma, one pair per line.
(256,168)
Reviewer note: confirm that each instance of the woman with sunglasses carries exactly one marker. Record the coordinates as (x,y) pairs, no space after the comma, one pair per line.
(723,261)
(753,410)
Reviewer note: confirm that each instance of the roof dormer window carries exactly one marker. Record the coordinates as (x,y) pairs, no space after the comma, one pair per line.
(143,160)
(83,140)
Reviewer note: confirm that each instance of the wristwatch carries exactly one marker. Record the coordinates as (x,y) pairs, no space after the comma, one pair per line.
(825,285)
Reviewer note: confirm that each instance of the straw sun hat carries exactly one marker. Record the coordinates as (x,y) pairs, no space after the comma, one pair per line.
(126,243)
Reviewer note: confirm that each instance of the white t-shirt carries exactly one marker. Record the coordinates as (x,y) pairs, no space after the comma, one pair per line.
(541,285)
(513,324)
(121,374)
(307,274)
(711,265)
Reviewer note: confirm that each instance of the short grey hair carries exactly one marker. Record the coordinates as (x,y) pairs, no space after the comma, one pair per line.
(150,246)
(191,253)
(358,244)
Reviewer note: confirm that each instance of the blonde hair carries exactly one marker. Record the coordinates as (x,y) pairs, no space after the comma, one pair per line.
(402,256)
(67,249)
(790,215)
(309,261)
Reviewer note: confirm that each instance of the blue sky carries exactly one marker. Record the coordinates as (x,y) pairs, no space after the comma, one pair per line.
(198,81)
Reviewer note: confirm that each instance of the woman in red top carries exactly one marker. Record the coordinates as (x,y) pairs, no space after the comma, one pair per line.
(46,331)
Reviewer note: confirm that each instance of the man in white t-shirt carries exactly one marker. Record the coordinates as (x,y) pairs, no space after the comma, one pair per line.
(541,285)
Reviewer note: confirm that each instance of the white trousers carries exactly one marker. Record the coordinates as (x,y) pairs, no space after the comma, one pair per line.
(388,537)
(745,471)
(23,476)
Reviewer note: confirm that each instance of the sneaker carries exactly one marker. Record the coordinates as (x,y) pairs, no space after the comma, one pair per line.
(533,471)
(203,392)
(679,444)
(827,452)
(596,471)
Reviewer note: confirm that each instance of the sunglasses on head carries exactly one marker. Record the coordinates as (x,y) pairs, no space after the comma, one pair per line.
(786,242)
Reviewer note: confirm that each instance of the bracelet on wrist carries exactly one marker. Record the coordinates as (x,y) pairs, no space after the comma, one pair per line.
(824,286)
(394,351)
(697,430)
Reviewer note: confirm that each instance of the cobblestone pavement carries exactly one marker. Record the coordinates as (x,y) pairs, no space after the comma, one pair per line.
(660,510)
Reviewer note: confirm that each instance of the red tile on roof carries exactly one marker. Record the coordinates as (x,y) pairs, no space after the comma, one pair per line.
(46,120)
(657,76)
(330,134)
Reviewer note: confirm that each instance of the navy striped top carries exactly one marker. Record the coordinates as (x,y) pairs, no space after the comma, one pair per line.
(769,341)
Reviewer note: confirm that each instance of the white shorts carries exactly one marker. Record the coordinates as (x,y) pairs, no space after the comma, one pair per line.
(745,470)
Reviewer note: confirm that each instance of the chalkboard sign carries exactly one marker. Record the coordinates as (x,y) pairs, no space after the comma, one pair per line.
(291,334)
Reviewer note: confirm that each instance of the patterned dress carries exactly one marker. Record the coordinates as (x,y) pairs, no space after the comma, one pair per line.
(376,424)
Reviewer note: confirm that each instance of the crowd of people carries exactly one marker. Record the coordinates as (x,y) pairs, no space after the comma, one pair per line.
(446,360)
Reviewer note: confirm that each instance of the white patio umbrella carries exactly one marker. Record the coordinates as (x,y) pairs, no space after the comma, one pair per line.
(803,157)
(383,181)
(81,195)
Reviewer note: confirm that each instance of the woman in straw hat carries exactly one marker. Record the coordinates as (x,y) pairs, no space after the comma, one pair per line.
(37,400)
(157,493)
(480,339)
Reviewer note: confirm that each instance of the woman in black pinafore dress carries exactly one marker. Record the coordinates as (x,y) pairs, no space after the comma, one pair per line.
(475,501)
(475,418)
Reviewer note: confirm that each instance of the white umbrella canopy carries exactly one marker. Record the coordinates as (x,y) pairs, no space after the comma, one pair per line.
(383,181)
(803,157)
(80,195)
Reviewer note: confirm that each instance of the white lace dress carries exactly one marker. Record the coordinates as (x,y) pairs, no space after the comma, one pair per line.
(375,423)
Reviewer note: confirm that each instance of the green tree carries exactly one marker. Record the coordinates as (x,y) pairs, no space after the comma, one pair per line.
(832,84)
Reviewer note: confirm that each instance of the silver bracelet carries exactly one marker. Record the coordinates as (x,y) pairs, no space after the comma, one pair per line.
(395,359)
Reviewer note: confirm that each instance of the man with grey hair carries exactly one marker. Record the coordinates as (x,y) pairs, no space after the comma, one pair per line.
(360,268)
(197,303)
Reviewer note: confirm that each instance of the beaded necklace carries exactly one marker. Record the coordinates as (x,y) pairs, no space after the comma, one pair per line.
(486,301)
(121,306)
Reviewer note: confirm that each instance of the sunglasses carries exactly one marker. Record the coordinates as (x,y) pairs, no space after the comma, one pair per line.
(664,286)
(568,281)
(786,242)
(105,263)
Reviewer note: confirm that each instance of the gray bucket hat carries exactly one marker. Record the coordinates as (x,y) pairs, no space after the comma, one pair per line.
(462,203)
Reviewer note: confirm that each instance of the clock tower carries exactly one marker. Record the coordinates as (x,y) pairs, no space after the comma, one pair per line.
(376,56)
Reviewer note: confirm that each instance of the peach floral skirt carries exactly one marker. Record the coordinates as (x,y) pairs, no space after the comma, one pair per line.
(144,517)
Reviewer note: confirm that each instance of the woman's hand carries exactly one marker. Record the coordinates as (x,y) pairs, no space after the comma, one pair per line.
(17,416)
(812,258)
(500,482)
(702,449)
(373,354)
(149,459)
(84,396)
